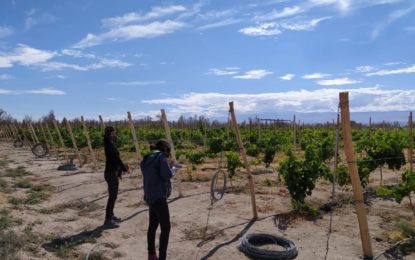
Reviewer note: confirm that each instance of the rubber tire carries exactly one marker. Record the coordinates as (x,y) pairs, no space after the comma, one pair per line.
(250,242)
(17,144)
(40,153)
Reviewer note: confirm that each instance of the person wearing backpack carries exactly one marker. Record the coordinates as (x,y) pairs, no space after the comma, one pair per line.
(157,171)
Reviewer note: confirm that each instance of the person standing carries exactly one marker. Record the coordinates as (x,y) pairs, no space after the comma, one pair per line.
(157,172)
(114,167)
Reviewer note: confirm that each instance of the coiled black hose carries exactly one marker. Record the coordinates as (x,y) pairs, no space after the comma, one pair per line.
(214,190)
(250,242)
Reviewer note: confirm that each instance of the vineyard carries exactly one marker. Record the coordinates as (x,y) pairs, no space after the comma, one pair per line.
(296,179)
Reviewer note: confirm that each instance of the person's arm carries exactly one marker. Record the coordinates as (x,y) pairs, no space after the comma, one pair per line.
(166,172)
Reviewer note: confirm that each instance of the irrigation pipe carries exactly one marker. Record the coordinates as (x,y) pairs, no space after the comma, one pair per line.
(95,246)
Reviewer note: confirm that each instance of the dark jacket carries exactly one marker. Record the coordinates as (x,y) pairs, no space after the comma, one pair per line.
(113,161)
(157,174)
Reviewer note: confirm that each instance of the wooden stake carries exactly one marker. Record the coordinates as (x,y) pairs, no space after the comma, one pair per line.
(52,143)
(102,123)
(55,124)
(134,134)
(68,126)
(173,152)
(43,133)
(34,132)
(91,151)
(354,175)
(246,162)
(294,131)
(411,143)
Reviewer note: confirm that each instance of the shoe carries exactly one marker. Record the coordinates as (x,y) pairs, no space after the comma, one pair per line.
(116,219)
(152,257)
(109,223)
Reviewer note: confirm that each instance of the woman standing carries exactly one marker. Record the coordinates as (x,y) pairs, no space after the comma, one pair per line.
(113,171)
(157,172)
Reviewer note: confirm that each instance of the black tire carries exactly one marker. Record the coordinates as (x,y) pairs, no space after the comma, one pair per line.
(217,193)
(67,167)
(40,150)
(250,242)
(18,144)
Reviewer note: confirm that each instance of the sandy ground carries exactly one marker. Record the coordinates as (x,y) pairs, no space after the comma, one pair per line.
(199,230)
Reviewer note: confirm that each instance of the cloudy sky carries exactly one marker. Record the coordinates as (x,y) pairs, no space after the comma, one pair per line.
(271,57)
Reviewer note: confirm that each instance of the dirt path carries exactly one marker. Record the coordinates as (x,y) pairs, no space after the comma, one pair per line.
(67,222)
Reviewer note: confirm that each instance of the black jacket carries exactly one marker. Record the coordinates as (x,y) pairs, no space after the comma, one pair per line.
(157,174)
(113,161)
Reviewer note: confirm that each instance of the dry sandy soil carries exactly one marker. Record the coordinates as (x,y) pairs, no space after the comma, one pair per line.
(74,213)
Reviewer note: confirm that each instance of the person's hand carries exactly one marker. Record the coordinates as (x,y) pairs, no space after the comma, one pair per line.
(172,163)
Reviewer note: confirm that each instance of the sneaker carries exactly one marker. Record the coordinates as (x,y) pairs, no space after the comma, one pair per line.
(152,257)
(109,223)
(116,219)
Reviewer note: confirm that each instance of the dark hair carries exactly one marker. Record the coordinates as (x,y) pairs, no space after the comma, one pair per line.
(163,146)
(107,133)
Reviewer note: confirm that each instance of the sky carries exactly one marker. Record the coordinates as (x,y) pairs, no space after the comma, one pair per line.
(273,58)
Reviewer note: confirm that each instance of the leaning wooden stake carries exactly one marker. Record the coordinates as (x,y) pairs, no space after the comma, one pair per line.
(34,132)
(101,122)
(52,143)
(55,124)
(134,134)
(91,151)
(44,133)
(68,126)
(411,143)
(246,162)
(354,175)
(294,132)
(173,152)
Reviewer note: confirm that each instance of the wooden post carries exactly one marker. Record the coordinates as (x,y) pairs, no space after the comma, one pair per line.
(411,143)
(246,162)
(354,175)
(55,124)
(25,138)
(11,132)
(34,132)
(16,131)
(68,126)
(91,151)
(134,134)
(43,133)
(52,143)
(102,124)
(173,152)
(294,130)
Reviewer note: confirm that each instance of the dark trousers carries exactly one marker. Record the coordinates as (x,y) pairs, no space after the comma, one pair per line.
(112,181)
(159,214)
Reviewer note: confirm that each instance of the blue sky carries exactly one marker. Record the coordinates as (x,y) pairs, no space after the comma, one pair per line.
(271,58)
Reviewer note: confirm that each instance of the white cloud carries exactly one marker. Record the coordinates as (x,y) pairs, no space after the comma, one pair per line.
(265,29)
(155,12)
(275,28)
(5,31)
(101,64)
(112,99)
(254,74)
(287,76)
(305,25)
(46,91)
(316,76)
(395,15)
(287,11)
(337,82)
(26,56)
(61,76)
(5,91)
(6,77)
(37,17)
(129,32)
(77,54)
(222,23)
(223,71)
(364,69)
(407,70)
(320,100)
(137,83)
